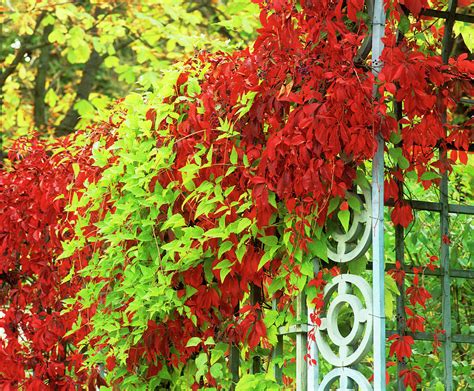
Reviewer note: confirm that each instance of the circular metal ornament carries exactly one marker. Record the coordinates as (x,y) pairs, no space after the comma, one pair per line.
(347,246)
(353,347)
(344,375)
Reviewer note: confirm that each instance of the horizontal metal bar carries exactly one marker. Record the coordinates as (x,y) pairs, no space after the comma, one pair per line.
(462,338)
(436,206)
(458,273)
(461,209)
(425,205)
(467,101)
(445,14)
(295,329)
(455,273)
(456,338)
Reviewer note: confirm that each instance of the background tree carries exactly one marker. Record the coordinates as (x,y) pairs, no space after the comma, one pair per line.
(62,63)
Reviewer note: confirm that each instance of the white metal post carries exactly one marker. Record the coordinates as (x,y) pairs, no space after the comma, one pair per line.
(378,29)
(313,370)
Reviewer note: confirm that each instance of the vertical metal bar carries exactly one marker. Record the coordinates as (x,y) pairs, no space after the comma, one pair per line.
(378,28)
(446,288)
(313,370)
(400,252)
(277,351)
(444,223)
(234,362)
(448,30)
(401,316)
(301,344)
(255,297)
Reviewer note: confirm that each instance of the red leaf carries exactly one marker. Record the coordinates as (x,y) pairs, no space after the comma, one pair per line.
(110,363)
(401,346)
(402,214)
(411,378)
(418,294)
(256,333)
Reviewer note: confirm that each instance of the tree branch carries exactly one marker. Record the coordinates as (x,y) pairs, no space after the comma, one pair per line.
(20,54)
(84,88)
(40,82)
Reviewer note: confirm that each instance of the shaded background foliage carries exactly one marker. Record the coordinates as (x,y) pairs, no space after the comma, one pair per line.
(64,63)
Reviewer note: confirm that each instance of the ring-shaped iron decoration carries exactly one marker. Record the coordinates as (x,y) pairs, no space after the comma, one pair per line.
(353,347)
(347,246)
(346,376)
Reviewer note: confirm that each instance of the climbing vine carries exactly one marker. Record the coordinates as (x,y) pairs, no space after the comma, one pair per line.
(37,349)
(210,196)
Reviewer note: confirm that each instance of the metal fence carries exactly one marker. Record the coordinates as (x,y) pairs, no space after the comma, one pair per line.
(366,300)
(345,361)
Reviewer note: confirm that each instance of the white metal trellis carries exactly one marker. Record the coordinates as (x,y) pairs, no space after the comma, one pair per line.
(367,301)
(368,330)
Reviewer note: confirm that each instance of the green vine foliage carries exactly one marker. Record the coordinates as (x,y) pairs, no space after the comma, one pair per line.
(146,247)
(219,189)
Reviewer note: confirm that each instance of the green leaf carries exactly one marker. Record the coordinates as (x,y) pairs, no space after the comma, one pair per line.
(111,62)
(265,258)
(240,252)
(361,180)
(403,162)
(218,352)
(224,247)
(276,284)
(201,362)
(225,268)
(270,317)
(465,29)
(57,35)
(388,301)
(344,217)
(395,138)
(193,86)
(243,224)
(216,371)
(175,221)
(269,240)
(233,156)
(209,341)
(395,153)
(333,204)
(319,248)
(79,54)
(404,25)
(208,274)
(194,341)
(391,285)
(85,109)
(307,267)
(354,203)
(358,266)
(429,175)
(204,208)
(76,169)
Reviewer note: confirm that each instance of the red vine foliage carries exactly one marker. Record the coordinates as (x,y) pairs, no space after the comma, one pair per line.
(312,123)
(35,352)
